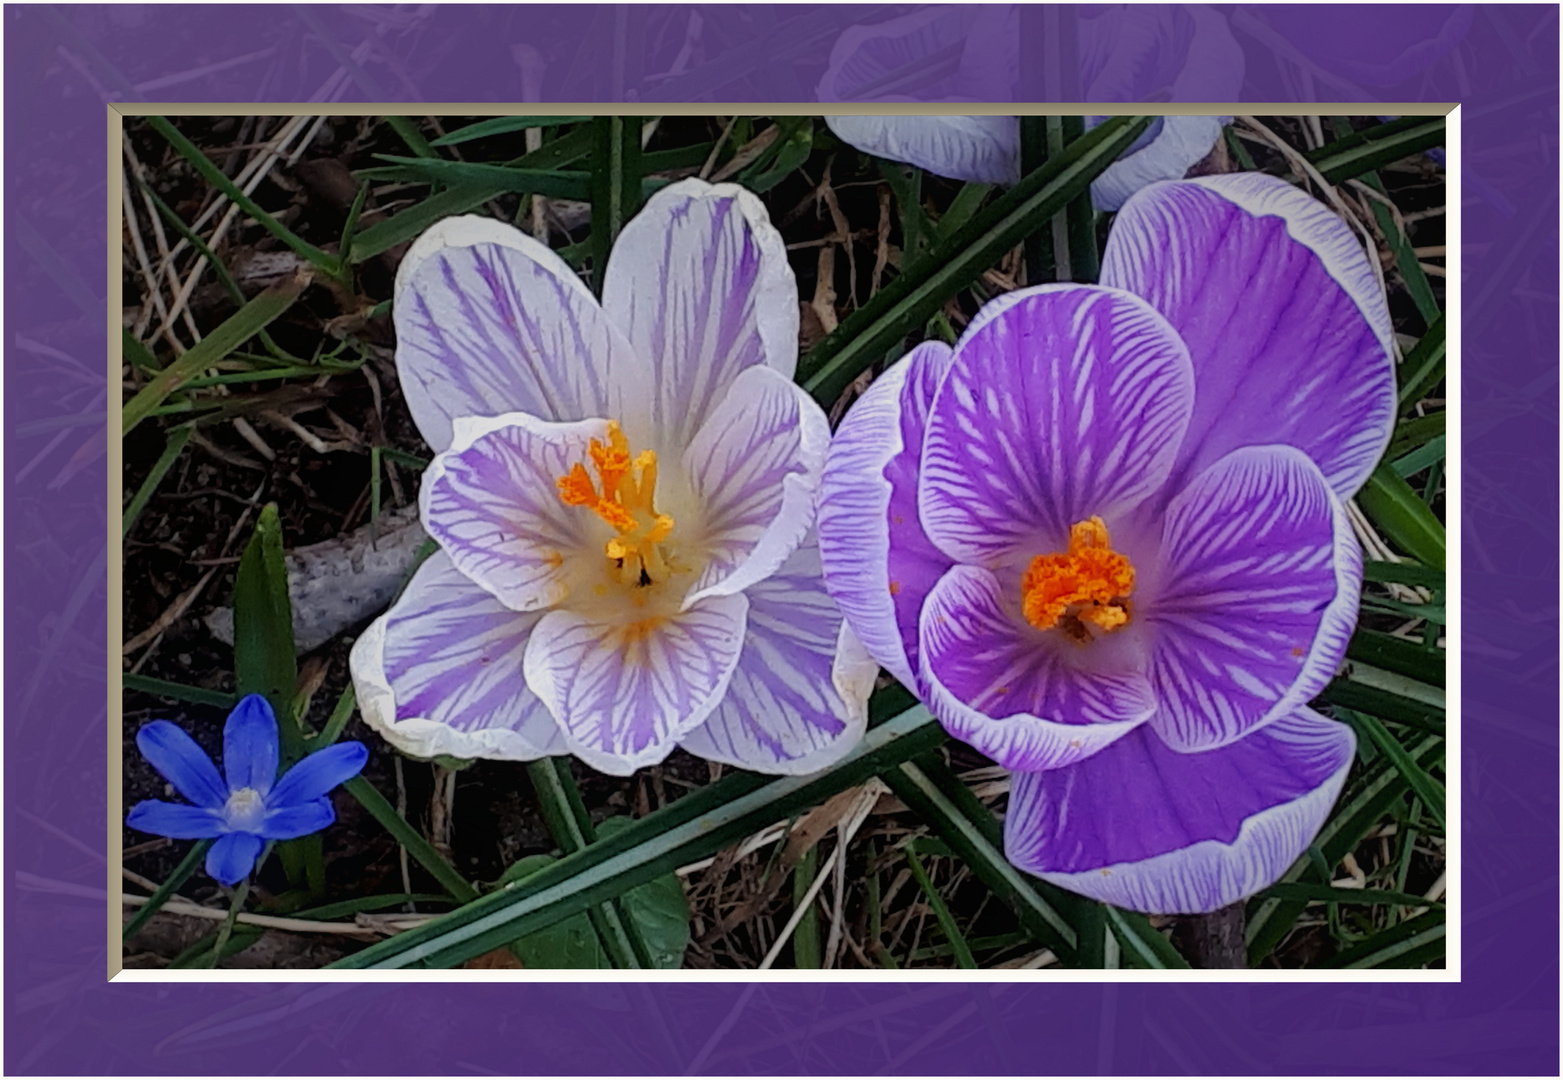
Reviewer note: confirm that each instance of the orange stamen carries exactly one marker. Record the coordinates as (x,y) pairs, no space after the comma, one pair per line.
(1088,584)
(624,501)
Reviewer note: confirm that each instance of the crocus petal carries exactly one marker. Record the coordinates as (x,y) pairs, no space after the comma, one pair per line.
(440,673)
(1063,402)
(178,821)
(879,564)
(980,149)
(299,819)
(184,764)
(492,501)
(754,467)
(625,693)
(798,700)
(250,745)
(1180,143)
(233,856)
(699,283)
(490,321)
(317,773)
(1284,319)
(1254,600)
(1149,829)
(1026,699)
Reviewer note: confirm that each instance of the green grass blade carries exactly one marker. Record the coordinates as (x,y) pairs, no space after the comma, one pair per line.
(1365,151)
(554,183)
(937,796)
(326,264)
(1422,369)
(1402,574)
(234,331)
(1411,712)
(1399,512)
(138,355)
(1414,432)
(177,438)
(1084,260)
(1408,658)
(166,890)
(410,223)
(503,125)
(1429,790)
(178,691)
(805,936)
(941,911)
(615,185)
(694,827)
(908,301)
(1389,948)
(1142,943)
(419,848)
(1425,456)
(1298,890)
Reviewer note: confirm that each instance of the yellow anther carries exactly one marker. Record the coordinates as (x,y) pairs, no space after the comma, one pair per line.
(623,498)
(1088,584)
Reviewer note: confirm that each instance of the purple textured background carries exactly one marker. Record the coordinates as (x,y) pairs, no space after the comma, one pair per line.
(62,64)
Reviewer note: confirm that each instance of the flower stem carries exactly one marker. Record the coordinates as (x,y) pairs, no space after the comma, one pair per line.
(243,890)
(1215,941)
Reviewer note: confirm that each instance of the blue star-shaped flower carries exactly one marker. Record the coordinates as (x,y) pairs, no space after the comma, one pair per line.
(253,805)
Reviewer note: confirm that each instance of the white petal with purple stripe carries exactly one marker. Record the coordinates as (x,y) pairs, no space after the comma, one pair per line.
(625,693)
(700,285)
(754,467)
(490,321)
(492,501)
(798,700)
(441,673)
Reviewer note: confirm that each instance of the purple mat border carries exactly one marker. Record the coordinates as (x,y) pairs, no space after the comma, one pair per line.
(62,1017)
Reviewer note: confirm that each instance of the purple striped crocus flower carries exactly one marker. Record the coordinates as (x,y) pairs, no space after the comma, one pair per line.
(1103,537)
(623,494)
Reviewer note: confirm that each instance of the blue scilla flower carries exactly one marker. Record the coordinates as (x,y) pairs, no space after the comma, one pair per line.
(254,804)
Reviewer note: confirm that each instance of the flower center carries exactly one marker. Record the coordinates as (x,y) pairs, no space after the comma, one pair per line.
(245,810)
(1087,586)
(624,502)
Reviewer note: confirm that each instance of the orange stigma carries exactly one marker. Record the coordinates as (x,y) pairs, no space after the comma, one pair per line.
(625,503)
(1089,585)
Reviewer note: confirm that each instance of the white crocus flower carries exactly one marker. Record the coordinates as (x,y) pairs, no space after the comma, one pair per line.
(623,494)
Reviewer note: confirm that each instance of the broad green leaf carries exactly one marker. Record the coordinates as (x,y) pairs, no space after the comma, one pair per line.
(234,331)
(1402,516)
(1142,943)
(263,657)
(1351,694)
(1409,658)
(693,827)
(907,302)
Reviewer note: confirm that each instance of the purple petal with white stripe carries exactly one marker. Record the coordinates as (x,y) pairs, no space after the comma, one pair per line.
(1284,319)
(1149,829)
(798,700)
(625,693)
(755,467)
(1028,699)
(1063,402)
(879,564)
(490,321)
(1254,600)
(492,501)
(699,283)
(441,673)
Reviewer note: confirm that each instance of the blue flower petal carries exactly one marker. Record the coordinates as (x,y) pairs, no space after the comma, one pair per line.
(250,745)
(288,822)
(233,857)
(318,773)
(174,820)
(185,765)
